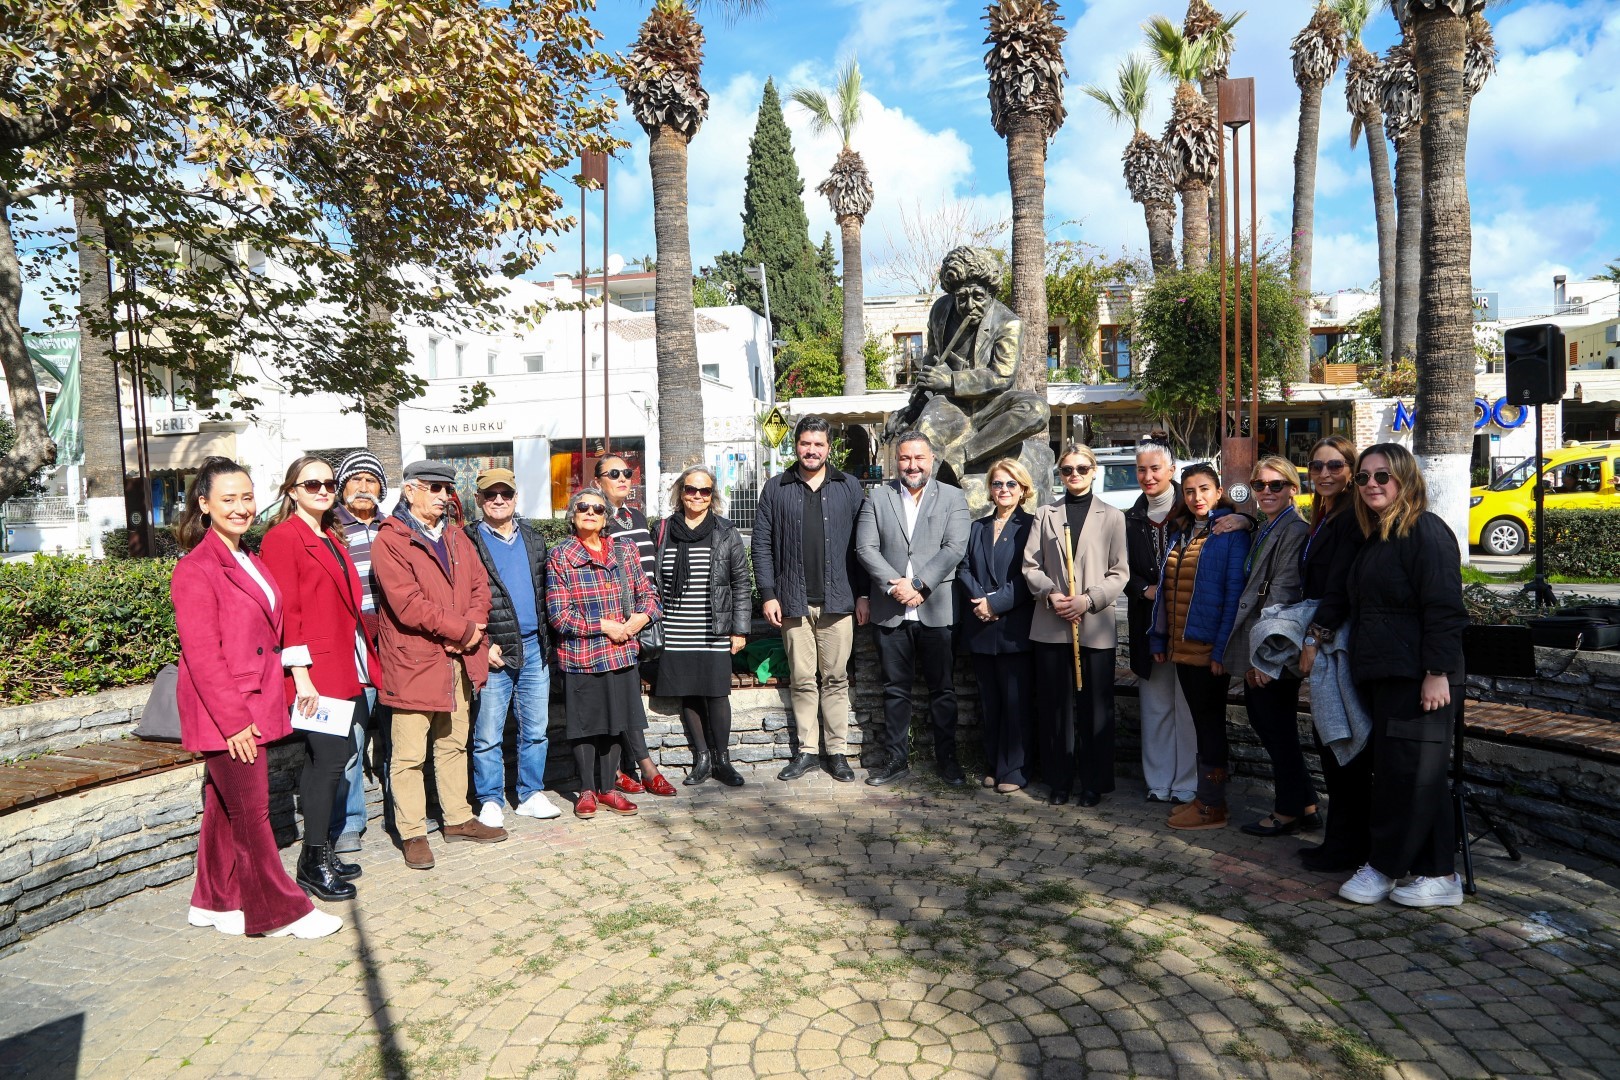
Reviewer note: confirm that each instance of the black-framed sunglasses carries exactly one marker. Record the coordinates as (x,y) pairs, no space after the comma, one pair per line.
(1327,465)
(1002,485)
(437,487)
(1075,470)
(616,474)
(314,486)
(1364,477)
(590,508)
(697,492)
(501,493)
(1273,486)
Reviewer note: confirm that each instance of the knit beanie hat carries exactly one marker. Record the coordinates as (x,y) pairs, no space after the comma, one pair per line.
(362,461)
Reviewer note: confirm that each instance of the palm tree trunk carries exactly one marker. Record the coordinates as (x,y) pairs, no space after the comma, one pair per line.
(1161,227)
(1408,240)
(680,391)
(849,228)
(1383,185)
(1211,89)
(1026,175)
(33,449)
(1443,435)
(1310,126)
(1195,232)
(98,389)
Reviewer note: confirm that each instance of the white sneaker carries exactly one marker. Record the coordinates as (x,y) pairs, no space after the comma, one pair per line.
(226,922)
(493,814)
(538,806)
(317,924)
(1367,887)
(1430,892)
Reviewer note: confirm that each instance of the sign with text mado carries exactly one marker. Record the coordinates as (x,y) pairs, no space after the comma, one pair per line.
(1502,413)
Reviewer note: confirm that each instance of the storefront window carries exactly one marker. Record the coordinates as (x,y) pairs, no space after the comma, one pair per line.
(469,459)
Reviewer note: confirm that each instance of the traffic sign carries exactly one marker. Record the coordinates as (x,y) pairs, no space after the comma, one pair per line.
(776,428)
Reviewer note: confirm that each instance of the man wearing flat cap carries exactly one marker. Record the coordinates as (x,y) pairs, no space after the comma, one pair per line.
(435,655)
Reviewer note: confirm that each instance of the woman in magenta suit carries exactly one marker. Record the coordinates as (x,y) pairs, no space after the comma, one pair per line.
(228,614)
(326,653)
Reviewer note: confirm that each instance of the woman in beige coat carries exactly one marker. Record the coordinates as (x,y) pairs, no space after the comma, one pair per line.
(1075,729)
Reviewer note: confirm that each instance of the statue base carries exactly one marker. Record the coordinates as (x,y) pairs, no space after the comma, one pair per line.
(1035,456)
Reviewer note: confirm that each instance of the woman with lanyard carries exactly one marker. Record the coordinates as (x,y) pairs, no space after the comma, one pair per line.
(1330,547)
(703,585)
(1193,612)
(1272,578)
(598,600)
(326,653)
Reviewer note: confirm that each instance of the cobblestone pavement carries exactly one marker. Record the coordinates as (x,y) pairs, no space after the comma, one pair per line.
(825,930)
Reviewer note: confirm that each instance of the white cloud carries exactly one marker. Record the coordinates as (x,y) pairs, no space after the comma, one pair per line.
(1517,251)
(919,43)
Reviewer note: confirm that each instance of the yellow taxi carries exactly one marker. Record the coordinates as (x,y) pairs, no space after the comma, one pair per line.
(1501,515)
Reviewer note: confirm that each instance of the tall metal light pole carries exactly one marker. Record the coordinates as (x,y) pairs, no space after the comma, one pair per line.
(592,166)
(756,274)
(1236,110)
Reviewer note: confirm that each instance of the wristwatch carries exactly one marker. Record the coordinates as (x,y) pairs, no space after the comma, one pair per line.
(917,583)
(1443,674)
(1310,641)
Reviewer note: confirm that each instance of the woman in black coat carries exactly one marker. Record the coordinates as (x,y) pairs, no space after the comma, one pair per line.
(997,607)
(1406,656)
(701,573)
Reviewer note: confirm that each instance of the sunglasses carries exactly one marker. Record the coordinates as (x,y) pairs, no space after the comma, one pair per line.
(1075,470)
(616,474)
(436,487)
(1381,477)
(1000,485)
(590,508)
(1273,486)
(501,494)
(313,486)
(697,492)
(1325,465)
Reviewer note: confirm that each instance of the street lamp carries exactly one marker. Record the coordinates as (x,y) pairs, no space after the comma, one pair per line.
(756,274)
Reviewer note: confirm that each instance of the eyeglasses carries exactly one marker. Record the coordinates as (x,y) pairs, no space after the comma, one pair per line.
(501,494)
(616,474)
(1327,465)
(697,492)
(1381,477)
(435,487)
(313,486)
(1273,486)
(1075,470)
(590,508)
(1003,484)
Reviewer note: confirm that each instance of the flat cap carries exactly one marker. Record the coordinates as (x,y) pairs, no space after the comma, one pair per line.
(430,471)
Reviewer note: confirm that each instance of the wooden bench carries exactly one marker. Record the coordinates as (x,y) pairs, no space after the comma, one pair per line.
(67,772)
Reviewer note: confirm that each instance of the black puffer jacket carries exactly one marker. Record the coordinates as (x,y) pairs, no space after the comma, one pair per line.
(731,599)
(503,627)
(1145,562)
(1406,605)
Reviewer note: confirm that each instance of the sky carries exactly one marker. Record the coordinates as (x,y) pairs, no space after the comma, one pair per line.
(1542,167)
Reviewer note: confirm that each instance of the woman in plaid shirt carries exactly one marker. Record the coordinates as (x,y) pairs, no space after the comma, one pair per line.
(598,600)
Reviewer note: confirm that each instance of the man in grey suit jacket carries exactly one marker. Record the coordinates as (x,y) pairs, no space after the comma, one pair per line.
(910,537)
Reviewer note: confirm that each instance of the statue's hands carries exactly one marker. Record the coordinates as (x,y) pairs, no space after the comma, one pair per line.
(936,376)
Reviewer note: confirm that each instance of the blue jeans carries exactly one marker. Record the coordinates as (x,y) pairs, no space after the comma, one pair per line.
(351,817)
(528,689)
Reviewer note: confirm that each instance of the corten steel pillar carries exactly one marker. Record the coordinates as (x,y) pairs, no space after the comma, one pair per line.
(592,166)
(1238,451)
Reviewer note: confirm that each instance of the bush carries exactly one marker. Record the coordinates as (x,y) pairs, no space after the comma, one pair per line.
(115,542)
(555,530)
(1582,543)
(76,626)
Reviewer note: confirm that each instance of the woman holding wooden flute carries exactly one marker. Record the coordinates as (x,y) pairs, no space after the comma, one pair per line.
(1079,539)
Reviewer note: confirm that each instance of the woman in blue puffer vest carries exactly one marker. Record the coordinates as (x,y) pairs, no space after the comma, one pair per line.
(1193,612)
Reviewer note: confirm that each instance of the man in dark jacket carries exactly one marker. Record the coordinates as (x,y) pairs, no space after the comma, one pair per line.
(814,590)
(514,555)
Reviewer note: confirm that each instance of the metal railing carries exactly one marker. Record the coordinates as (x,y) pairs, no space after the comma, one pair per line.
(41,510)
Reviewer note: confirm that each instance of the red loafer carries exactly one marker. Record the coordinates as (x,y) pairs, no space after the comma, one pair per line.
(629,785)
(617,803)
(585,805)
(660,786)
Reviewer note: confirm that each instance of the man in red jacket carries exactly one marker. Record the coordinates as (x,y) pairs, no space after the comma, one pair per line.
(434,606)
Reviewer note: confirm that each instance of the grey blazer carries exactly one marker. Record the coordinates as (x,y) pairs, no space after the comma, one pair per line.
(934,549)
(1274,578)
(1101,569)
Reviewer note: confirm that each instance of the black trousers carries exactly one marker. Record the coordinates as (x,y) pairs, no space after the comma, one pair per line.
(322,785)
(1075,729)
(707,722)
(1274,715)
(1205,692)
(1412,827)
(904,652)
(1348,836)
(1006,718)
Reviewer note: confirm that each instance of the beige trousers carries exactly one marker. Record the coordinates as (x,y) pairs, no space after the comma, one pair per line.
(817,649)
(412,732)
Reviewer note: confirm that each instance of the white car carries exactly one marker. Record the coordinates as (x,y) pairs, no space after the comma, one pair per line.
(1116,481)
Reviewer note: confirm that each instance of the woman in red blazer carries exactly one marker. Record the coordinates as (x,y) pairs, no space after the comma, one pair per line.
(228,614)
(326,653)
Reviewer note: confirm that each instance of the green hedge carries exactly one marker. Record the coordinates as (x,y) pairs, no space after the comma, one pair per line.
(75,626)
(115,542)
(1583,543)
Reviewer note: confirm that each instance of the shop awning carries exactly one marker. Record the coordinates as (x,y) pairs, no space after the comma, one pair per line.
(182,452)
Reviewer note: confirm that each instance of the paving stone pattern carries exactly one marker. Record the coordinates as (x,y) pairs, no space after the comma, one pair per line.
(826,930)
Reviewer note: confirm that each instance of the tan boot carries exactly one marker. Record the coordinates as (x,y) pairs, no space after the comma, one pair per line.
(1195,815)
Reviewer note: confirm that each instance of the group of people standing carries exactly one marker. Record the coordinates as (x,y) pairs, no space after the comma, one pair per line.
(428,633)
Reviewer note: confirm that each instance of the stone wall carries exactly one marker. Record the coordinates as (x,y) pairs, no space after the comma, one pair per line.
(1587,684)
(47,727)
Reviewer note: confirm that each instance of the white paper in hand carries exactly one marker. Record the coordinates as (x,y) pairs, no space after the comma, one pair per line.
(333,716)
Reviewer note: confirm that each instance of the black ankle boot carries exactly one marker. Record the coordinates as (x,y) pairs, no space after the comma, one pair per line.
(348,871)
(316,877)
(700,768)
(723,771)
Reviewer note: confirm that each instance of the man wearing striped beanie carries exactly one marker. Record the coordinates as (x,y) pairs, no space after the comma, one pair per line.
(361,490)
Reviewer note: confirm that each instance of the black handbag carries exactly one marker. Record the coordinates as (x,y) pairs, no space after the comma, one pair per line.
(651,638)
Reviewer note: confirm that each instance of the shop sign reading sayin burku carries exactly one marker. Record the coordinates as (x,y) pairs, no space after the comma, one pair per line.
(466,427)
(1504,414)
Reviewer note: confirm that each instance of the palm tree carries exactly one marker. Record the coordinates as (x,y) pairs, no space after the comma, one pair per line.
(1363,96)
(1203,24)
(849,191)
(1147,176)
(1317,51)
(1443,436)
(1192,138)
(1480,62)
(1401,122)
(661,81)
(1025,65)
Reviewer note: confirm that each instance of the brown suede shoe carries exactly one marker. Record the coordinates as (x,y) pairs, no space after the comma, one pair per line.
(474,830)
(1195,815)
(418,856)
